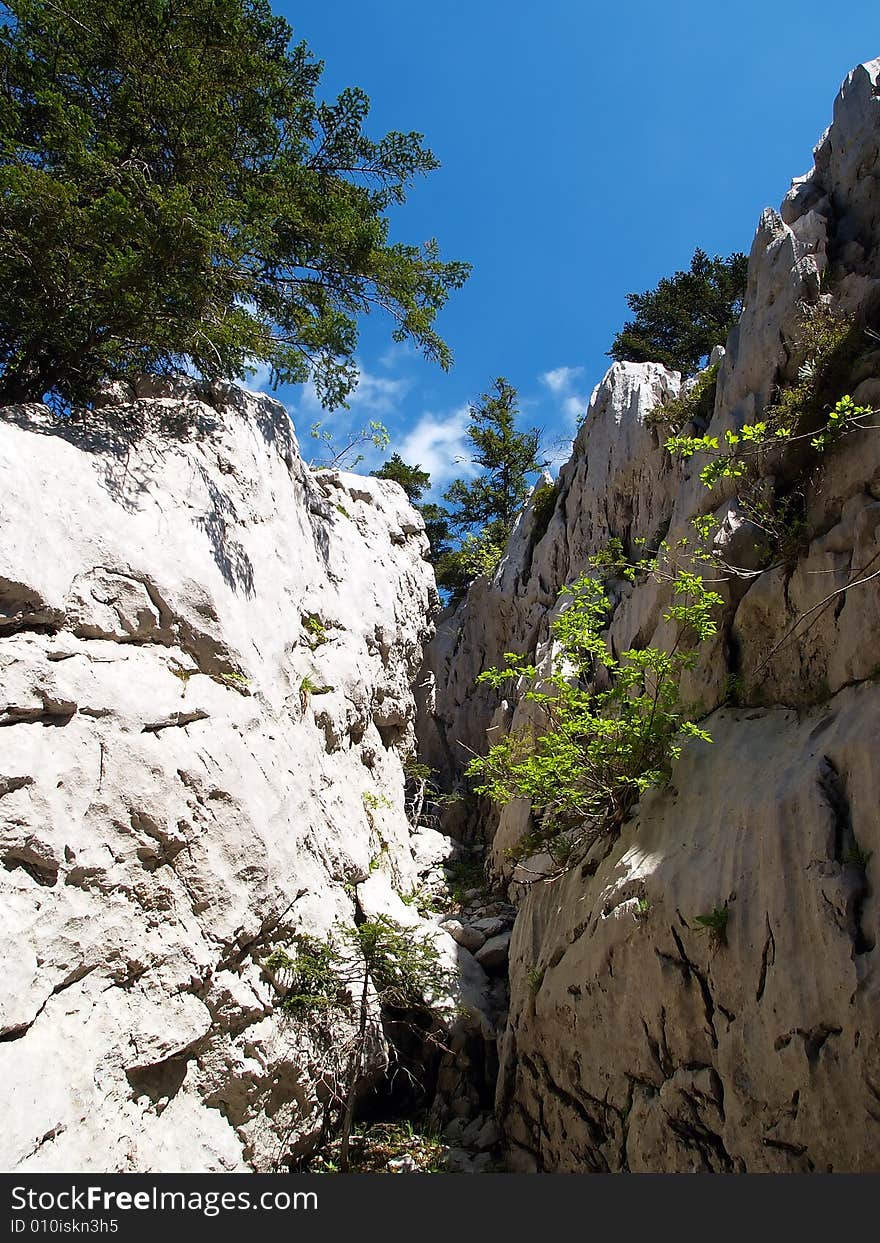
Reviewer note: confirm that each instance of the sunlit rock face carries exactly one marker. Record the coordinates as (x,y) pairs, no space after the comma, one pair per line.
(206,660)
(637,1039)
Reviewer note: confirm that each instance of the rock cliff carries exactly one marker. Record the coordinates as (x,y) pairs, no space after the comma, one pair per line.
(209,656)
(206,660)
(634,1040)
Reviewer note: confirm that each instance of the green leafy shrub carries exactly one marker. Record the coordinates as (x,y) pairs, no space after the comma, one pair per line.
(781,517)
(695,405)
(601,748)
(373,801)
(416,771)
(315,630)
(714,922)
(308,686)
(402,971)
(809,413)
(234,679)
(644,906)
(311,977)
(534,979)
(543,504)
(477,555)
(424,901)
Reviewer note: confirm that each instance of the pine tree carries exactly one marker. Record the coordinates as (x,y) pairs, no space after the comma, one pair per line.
(375,965)
(483,510)
(679,322)
(414,481)
(508,457)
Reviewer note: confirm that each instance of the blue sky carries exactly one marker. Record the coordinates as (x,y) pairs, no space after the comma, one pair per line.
(586,149)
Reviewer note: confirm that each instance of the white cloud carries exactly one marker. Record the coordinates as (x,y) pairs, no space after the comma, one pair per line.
(561,379)
(563,383)
(439,444)
(573,407)
(397,353)
(377,394)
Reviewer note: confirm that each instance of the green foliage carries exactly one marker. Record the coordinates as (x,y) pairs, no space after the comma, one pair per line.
(601,748)
(782,517)
(543,503)
(465,876)
(643,908)
(715,924)
(734,690)
(507,457)
(377,860)
(477,555)
(844,414)
(694,406)
(234,679)
(534,979)
(414,481)
(182,674)
(438,530)
(416,771)
(176,198)
(308,686)
(311,979)
(338,457)
(857,857)
(481,510)
(679,321)
(811,410)
(315,629)
(405,970)
(373,802)
(374,1146)
(426,903)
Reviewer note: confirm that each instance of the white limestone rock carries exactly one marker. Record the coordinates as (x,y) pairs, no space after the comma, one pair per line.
(633,1040)
(174,801)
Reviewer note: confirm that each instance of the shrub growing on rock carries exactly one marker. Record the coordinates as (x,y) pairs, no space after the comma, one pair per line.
(376,958)
(601,747)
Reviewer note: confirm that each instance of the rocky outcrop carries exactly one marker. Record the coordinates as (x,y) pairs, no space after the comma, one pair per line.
(206,659)
(636,1038)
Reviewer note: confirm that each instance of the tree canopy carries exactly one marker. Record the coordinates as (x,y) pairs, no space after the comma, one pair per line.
(679,322)
(175,197)
(414,481)
(508,457)
(483,510)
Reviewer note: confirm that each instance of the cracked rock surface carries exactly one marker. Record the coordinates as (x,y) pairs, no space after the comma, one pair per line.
(636,1040)
(206,659)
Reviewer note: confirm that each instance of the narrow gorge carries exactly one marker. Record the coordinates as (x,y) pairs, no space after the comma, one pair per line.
(235,716)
